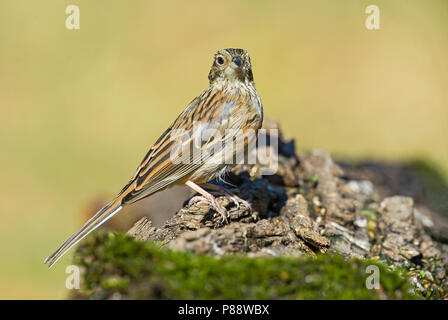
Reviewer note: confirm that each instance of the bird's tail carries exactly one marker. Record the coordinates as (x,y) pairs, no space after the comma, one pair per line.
(98,219)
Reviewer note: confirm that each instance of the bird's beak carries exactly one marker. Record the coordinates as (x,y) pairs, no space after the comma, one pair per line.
(232,66)
(236,62)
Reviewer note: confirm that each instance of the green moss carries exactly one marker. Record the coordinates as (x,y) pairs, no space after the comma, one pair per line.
(369,214)
(138,270)
(435,187)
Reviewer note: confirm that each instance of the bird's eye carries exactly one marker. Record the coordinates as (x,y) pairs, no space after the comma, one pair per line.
(220,60)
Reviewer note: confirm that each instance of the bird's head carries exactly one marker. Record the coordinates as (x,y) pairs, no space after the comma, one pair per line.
(231,65)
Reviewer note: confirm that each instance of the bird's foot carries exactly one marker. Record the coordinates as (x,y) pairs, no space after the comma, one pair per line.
(220,191)
(212,202)
(197,200)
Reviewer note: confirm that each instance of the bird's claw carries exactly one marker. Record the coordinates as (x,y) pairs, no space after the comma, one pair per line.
(212,202)
(237,201)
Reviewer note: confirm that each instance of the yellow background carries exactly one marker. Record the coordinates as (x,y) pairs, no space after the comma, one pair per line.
(80,108)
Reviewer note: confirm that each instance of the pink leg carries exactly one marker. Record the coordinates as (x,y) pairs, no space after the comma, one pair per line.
(222,191)
(210,198)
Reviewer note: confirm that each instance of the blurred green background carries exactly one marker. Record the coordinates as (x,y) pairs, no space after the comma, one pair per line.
(80,108)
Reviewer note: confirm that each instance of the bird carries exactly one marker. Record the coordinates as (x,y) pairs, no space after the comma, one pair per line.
(198,147)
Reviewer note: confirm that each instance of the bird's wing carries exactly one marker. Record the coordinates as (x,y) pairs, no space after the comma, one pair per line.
(212,110)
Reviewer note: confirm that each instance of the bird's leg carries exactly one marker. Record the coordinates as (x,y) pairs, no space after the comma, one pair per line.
(210,198)
(222,191)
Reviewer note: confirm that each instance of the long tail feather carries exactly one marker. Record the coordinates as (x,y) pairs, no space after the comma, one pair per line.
(98,219)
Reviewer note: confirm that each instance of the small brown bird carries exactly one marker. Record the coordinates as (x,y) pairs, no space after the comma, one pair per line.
(198,147)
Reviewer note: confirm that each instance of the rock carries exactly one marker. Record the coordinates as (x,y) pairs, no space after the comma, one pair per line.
(398,225)
(321,166)
(346,242)
(295,205)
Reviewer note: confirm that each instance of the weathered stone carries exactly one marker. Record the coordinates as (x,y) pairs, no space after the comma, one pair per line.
(397,215)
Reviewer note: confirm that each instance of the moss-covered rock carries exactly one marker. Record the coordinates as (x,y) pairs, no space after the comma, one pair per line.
(309,232)
(435,186)
(118,266)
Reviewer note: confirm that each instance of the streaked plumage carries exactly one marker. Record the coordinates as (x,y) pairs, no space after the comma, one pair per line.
(231,102)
